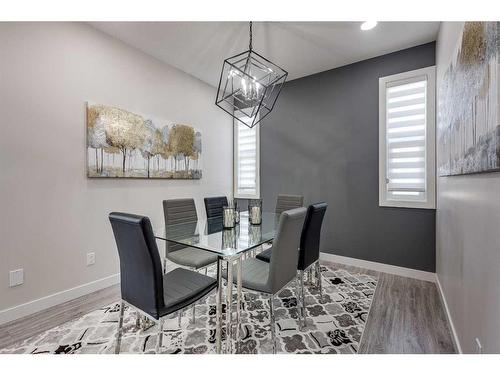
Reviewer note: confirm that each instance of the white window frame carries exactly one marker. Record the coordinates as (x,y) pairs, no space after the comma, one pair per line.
(235,164)
(430,138)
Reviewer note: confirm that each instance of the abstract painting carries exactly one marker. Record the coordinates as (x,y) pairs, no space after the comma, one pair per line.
(468,121)
(125,144)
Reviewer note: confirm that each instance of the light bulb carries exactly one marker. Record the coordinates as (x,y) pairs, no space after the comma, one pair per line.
(368,25)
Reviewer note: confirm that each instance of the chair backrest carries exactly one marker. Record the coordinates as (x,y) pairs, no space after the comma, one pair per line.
(285,254)
(311,233)
(288,202)
(141,276)
(178,211)
(214,205)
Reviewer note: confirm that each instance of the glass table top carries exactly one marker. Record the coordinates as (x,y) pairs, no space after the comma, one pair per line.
(209,234)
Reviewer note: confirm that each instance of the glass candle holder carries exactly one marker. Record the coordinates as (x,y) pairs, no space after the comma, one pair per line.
(228,217)
(255,211)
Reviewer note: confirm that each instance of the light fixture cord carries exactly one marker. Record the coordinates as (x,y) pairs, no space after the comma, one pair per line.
(250,44)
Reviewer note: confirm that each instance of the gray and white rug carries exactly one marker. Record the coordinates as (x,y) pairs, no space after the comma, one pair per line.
(334,326)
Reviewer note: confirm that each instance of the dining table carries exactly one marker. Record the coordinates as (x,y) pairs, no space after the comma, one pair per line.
(232,246)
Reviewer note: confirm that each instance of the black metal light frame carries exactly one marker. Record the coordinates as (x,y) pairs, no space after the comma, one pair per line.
(272,89)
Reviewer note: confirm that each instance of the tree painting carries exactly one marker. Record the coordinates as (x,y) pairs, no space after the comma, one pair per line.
(124,144)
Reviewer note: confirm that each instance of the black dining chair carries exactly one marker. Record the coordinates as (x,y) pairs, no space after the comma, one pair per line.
(144,286)
(214,205)
(309,249)
(270,278)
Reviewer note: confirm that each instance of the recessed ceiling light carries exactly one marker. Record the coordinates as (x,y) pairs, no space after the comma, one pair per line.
(368,25)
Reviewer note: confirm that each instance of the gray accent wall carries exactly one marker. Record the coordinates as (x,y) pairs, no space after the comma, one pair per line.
(321,141)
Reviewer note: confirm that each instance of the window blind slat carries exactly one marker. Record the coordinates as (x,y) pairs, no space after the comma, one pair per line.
(405,113)
(391,95)
(405,102)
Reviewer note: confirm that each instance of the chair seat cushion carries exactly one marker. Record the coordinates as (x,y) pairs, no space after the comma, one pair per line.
(254,275)
(192,257)
(181,287)
(265,255)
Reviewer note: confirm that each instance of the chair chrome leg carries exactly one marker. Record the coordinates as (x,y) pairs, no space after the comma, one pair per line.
(193,319)
(179,318)
(299,301)
(206,270)
(320,284)
(138,320)
(218,311)
(309,276)
(160,336)
(273,322)
(303,306)
(229,306)
(120,329)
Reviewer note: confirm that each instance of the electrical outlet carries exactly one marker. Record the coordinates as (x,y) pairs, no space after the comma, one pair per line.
(90,259)
(16,277)
(479,347)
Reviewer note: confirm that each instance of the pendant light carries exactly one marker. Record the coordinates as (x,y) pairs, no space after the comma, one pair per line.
(249,86)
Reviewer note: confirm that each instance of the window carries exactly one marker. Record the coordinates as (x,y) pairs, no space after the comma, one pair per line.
(246,175)
(407,139)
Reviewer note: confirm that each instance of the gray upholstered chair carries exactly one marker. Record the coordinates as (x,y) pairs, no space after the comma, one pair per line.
(181,215)
(309,250)
(283,203)
(288,201)
(183,211)
(144,286)
(270,278)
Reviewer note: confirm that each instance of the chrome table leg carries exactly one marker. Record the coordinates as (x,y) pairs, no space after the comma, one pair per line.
(238,301)
(218,311)
(229,304)
(120,329)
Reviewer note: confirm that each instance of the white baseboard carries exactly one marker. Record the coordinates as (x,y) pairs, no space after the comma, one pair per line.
(380,267)
(43,303)
(448,316)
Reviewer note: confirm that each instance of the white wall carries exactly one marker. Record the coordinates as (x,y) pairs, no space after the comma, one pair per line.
(51,214)
(468,241)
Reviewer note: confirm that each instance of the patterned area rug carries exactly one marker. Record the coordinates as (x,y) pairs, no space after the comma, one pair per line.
(334,326)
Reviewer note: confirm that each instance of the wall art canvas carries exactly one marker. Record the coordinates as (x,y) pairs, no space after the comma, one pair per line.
(468,118)
(124,144)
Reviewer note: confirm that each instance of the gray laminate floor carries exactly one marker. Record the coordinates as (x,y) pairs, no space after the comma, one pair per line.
(406,316)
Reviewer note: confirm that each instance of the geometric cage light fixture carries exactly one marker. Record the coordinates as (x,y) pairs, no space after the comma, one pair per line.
(249,86)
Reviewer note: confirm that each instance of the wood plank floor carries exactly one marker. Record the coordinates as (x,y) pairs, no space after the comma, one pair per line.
(406,316)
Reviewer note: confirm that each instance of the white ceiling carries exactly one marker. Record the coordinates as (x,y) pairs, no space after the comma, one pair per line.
(301,48)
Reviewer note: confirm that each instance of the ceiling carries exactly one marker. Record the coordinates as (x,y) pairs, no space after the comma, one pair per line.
(301,48)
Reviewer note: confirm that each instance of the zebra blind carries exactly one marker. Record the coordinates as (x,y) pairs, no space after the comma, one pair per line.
(246,161)
(407,140)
